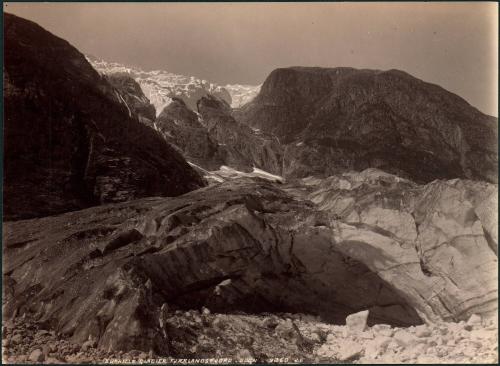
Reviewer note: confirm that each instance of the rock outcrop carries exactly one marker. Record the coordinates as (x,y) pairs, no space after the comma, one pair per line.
(211,138)
(242,147)
(70,140)
(181,127)
(407,254)
(341,119)
(442,229)
(131,94)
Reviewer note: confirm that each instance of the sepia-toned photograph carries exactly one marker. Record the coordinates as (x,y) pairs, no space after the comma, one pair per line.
(250,183)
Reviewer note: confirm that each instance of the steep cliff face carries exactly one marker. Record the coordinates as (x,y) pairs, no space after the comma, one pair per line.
(242,147)
(334,120)
(371,240)
(70,138)
(131,94)
(212,138)
(180,126)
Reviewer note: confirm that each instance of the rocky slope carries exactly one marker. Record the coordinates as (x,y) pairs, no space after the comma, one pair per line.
(181,127)
(161,86)
(335,120)
(71,140)
(131,94)
(242,147)
(268,338)
(371,241)
(211,138)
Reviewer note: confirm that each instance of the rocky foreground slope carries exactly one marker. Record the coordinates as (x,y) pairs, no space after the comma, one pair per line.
(341,119)
(409,254)
(71,140)
(269,338)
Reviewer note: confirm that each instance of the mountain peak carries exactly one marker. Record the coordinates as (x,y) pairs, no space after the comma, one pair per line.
(385,119)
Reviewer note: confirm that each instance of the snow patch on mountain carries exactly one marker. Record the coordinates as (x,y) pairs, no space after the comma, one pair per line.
(160,86)
(242,94)
(226,173)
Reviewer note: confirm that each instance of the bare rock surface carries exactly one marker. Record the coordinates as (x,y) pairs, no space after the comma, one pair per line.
(334,120)
(132,95)
(247,245)
(212,138)
(71,140)
(241,147)
(445,260)
(182,128)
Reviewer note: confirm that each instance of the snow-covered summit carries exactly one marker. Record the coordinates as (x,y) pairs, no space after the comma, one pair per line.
(161,86)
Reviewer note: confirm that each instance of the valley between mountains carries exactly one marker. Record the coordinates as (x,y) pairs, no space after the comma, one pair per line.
(152,215)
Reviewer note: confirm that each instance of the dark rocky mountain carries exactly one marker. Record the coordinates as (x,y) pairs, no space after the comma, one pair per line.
(70,138)
(359,241)
(334,120)
(243,147)
(213,137)
(180,126)
(131,93)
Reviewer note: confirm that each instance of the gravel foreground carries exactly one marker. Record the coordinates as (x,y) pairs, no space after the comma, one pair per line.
(202,337)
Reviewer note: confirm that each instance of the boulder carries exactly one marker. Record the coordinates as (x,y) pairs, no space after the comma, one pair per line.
(422,331)
(16,339)
(376,346)
(475,320)
(357,322)
(406,339)
(285,330)
(349,351)
(88,345)
(36,356)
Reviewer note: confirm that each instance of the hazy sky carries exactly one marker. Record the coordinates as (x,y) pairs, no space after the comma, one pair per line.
(454,45)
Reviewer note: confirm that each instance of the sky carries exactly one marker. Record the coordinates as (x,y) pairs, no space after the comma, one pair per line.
(454,45)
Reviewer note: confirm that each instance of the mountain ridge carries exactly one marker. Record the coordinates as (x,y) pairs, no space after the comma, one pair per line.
(365,115)
(160,86)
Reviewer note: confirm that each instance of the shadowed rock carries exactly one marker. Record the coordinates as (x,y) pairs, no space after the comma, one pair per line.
(132,95)
(241,146)
(71,141)
(180,126)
